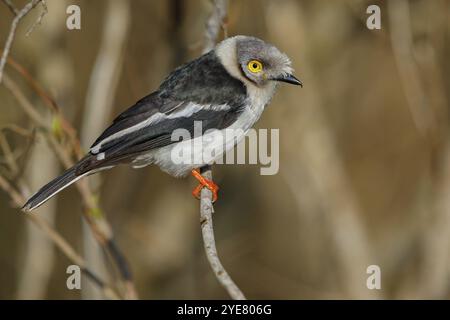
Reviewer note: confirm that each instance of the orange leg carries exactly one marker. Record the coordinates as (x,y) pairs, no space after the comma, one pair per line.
(204,183)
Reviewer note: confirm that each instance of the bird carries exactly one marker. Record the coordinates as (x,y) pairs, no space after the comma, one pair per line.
(226,88)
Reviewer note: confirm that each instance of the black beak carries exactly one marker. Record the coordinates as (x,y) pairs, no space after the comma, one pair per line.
(289,78)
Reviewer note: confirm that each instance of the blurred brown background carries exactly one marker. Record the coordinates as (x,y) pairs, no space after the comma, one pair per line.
(364,152)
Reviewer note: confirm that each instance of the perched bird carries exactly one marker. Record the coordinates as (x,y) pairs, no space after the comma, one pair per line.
(226,88)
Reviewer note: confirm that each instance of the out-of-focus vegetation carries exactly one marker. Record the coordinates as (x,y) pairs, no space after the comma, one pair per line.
(364,154)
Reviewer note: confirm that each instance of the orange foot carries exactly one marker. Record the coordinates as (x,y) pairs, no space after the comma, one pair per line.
(204,183)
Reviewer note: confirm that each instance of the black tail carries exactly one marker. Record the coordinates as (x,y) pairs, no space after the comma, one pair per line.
(52,188)
(88,165)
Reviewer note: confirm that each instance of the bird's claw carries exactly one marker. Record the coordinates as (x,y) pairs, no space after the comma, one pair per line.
(214,188)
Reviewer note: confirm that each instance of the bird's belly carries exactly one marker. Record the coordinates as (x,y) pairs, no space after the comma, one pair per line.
(179,159)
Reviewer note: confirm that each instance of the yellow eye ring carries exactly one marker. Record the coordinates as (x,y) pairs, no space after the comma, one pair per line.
(254,66)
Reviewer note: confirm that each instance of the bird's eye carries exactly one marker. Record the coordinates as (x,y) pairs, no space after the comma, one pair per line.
(255,66)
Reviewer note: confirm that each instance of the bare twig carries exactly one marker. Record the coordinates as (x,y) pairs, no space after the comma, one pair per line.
(11,7)
(35,278)
(41,165)
(98,223)
(8,154)
(18,199)
(215,22)
(99,103)
(93,215)
(12,32)
(206,222)
(206,207)
(39,19)
(51,104)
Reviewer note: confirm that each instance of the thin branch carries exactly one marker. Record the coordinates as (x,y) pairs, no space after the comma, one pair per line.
(17,130)
(8,154)
(12,157)
(11,7)
(51,104)
(213,26)
(102,230)
(18,199)
(206,222)
(39,19)
(93,214)
(99,102)
(61,243)
(12,32)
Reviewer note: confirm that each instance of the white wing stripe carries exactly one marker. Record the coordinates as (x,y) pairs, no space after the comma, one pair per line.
(185,112)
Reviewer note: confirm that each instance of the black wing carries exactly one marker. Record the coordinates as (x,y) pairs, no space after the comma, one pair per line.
(203,84)
(127,146)
(139,112)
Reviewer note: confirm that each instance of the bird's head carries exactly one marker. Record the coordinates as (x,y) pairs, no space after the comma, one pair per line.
(256,61)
